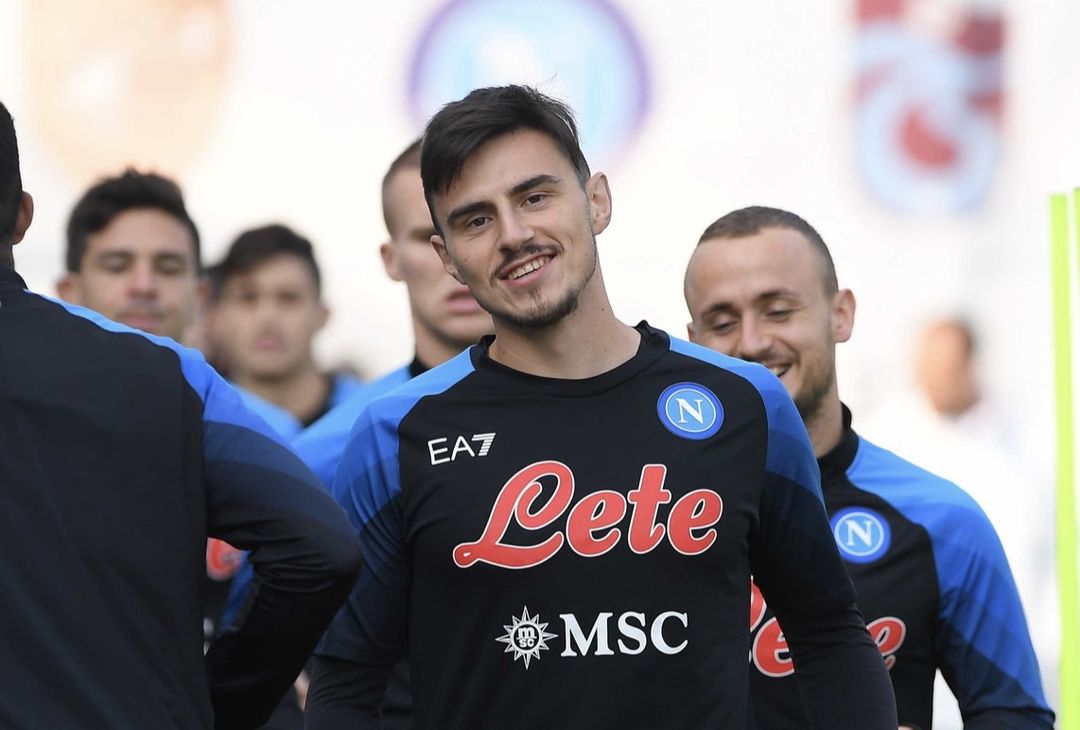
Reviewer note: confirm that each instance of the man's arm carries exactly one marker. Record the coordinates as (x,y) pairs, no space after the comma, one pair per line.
(367,637)
(261,498)
(841,677)
(982,636)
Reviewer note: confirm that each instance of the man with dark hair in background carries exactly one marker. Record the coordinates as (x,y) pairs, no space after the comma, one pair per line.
(267,309)
(119,453)
(931,576)
(560,523)
(133,255)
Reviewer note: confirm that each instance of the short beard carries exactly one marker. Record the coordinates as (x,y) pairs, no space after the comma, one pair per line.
(809,402)
(544,317)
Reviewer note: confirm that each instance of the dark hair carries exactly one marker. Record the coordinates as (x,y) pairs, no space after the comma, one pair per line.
(255,247)
(131,190)
(462,127)
(750,221)
(408,159)
(10,177)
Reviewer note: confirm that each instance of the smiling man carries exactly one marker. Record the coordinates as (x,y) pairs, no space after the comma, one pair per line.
(561,522)
(931,576)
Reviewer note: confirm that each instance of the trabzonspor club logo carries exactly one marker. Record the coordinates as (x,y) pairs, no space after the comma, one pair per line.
(585,52)
(862,534)
(690,411)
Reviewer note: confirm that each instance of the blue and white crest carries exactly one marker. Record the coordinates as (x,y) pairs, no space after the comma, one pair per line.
(862,534)
(690,411)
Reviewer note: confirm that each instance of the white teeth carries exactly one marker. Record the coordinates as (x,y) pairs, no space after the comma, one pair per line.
(529,267)
(777,370)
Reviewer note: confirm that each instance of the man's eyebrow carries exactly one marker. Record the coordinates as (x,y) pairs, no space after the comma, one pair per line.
(466,210)
(533,182)
(763,297)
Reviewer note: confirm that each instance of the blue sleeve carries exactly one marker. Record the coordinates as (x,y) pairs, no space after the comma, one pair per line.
(985,651)
(841,678)
(261,498)
(371,627)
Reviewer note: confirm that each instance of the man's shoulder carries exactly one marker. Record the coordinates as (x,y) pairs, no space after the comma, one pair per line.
(393,404)
(937,504)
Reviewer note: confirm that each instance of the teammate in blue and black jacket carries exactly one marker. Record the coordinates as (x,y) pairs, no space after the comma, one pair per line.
(930,573)
(120,452)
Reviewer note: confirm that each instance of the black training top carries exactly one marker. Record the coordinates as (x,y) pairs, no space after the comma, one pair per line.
(119,453)
(577,553)
(936,590)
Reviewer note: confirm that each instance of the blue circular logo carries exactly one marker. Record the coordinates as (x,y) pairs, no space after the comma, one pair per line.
(690,411)
(862,534)
(586,52)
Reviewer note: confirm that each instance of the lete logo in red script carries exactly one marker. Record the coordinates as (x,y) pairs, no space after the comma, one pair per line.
(770,652)
(591,526)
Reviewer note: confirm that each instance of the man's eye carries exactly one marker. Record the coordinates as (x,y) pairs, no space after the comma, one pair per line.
(722,328)
(172,268)
(535,199)
(477,222)
(778,314)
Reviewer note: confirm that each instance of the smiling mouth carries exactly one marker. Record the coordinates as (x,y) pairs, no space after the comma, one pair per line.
(778,370)
(528,267)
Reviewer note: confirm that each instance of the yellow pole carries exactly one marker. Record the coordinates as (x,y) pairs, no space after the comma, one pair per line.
(1061,279)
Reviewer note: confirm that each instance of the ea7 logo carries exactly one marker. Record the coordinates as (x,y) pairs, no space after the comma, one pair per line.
(441,452)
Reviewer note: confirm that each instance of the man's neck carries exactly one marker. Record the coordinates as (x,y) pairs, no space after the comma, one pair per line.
(826,426)
(7,256)
(588,342)
(432,350)
(302,394)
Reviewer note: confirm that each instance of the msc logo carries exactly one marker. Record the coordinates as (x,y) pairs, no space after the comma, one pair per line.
(666,633)
(862,534)
(441,452)
(690,411)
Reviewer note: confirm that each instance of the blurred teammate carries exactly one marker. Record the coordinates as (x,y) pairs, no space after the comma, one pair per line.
(119,453)
(267,310)
(931,576)
(445,318)
(560,523)
(133,255)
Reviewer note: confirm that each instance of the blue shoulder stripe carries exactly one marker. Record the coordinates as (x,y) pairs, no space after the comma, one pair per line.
(369,475)
(789,443)
(321,444)
(221,403)
(980,605)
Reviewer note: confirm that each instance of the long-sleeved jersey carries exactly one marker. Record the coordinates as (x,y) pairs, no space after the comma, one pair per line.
(935,589)
(320,447)
(119,453)
(577,553)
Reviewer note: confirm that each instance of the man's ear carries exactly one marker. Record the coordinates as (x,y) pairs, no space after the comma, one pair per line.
(24,218)
(598,192)
(843,315)
(389,253)
(439,245)
(690,331)
(68,288)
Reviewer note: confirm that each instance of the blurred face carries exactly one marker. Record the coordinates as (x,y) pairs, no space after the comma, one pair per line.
(945,371)
(442,307)
(520,231)
(266,319)
(763,298)
(139,270)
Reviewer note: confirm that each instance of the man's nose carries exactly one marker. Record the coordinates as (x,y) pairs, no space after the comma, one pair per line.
(143,280)
(514,229)
(753,343)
